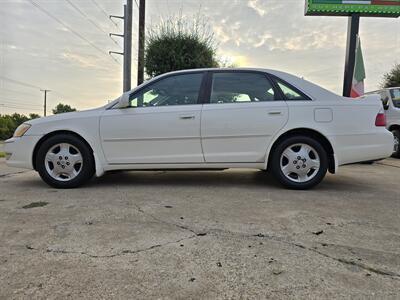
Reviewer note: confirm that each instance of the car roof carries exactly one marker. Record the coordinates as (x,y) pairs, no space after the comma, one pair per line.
(283,75)
(384,89)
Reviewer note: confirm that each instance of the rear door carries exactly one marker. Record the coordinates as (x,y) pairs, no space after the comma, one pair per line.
(243,113)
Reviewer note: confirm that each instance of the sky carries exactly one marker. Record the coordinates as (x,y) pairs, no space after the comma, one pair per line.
(66,49)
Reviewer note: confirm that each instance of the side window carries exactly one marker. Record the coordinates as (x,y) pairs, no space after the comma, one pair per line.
(239,87)
(175,90)
(290,93)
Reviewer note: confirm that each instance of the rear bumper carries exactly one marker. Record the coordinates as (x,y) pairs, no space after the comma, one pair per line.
(358,148)
(19,151)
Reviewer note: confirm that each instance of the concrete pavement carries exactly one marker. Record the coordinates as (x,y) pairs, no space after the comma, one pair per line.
(201,235)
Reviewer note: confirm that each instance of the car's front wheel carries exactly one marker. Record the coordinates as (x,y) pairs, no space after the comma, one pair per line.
(299,162)
(396,135)
(64,161)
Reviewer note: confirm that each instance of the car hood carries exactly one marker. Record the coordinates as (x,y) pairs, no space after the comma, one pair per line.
(67,116)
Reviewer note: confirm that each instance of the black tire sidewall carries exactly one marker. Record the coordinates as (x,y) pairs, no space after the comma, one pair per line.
(396,132)
(87,157)
(276,168)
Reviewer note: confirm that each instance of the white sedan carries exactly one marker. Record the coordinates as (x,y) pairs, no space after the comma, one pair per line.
(208,119)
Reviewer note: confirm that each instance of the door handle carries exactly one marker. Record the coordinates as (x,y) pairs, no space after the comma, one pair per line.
(274,112)
(186,117)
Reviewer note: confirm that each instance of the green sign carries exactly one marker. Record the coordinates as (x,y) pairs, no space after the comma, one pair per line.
(372,8)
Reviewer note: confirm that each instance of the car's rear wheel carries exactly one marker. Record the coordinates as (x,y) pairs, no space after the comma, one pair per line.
(299,162)
(65,161)
(396,135)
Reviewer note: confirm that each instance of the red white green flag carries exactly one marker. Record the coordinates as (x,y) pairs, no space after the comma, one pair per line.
(357,87)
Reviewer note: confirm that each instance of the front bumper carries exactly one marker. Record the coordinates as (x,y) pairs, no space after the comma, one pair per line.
(19,151)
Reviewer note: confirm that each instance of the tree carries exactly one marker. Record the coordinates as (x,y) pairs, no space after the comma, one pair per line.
(33,116)
(63,108)
(177,44)
(8,123)
(392,79)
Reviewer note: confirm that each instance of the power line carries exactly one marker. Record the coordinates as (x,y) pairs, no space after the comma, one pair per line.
(16,102)
(84,15)
(69,28)
(24,84)
(20,82)
(105,13)
(20,108)
(14,91)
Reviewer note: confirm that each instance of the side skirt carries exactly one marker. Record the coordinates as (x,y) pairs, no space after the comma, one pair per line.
(183,167)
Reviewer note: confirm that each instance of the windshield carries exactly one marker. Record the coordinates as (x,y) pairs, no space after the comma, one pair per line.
(395,93)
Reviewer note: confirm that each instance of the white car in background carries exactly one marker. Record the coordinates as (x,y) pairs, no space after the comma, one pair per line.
(390,98)
(208,119)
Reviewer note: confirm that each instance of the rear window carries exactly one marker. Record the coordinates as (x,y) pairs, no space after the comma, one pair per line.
(395,93)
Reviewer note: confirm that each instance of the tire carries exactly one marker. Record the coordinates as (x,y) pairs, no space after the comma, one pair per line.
(305,156)
(70,153)
(396,135)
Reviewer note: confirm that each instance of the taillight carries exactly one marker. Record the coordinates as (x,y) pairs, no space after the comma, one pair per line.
(380,119)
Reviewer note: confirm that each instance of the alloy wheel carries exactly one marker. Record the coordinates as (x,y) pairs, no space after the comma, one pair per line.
(63,162)
(300,162)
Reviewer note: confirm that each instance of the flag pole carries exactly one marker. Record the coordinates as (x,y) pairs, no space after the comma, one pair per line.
(352,33)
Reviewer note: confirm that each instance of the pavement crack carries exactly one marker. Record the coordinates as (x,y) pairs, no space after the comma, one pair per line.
(12,174)
(355,263)
(338,259)
(139,209)
(121,253)
(388,165)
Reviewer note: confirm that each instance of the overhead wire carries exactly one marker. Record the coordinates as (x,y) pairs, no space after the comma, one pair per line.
(20,82)
(46,12)
(8,101)
(105,13)
(85,16)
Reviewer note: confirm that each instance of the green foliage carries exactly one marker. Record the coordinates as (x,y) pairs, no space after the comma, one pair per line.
(34,116)
(63,108)
(8,124)
(177,44)
(392,79)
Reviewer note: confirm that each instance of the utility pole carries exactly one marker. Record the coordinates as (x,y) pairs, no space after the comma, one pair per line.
(352,32)
(127,52)
(45,102)
(142,19)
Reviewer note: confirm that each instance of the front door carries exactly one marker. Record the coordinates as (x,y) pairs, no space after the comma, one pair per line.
(243,115)
(162,125)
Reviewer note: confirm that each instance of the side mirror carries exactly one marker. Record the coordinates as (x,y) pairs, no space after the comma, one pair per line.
(123,101)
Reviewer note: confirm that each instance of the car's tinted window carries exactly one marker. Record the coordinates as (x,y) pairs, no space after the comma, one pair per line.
(290,93)
(174,90)
(239,87)
(395,93)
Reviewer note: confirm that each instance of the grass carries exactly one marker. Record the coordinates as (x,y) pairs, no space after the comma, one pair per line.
(2,154)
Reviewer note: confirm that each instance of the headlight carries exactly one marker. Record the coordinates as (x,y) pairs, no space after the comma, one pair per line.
(21,130)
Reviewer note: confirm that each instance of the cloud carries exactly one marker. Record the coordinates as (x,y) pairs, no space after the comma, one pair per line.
(264,33)
(254,4)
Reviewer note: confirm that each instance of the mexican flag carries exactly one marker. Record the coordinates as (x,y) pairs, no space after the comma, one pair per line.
(357,88)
